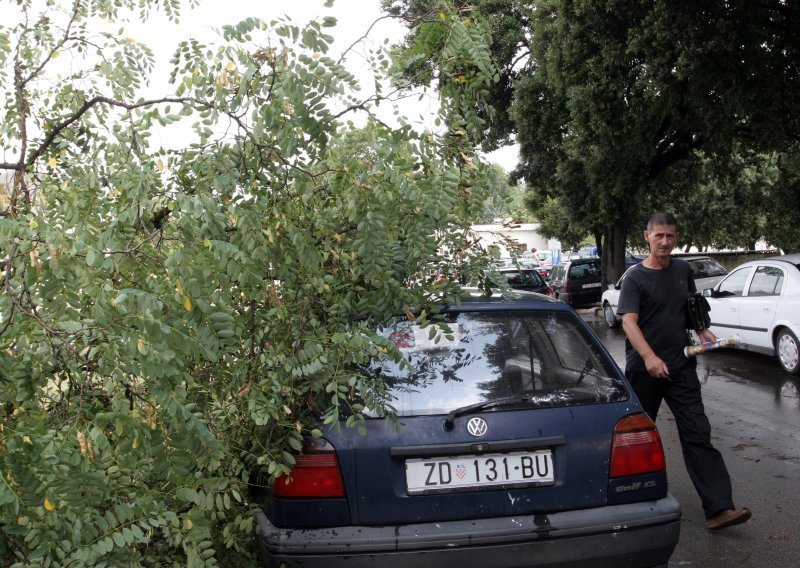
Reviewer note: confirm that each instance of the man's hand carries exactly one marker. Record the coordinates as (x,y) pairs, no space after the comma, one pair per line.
(652,362)
(656,367)
(706,336)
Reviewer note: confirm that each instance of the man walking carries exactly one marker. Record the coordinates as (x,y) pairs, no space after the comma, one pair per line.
(652,304)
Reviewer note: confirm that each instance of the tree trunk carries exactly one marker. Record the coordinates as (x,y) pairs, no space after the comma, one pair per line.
(613,251)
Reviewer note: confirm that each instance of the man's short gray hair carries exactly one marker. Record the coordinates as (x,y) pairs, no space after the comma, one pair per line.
(661,219)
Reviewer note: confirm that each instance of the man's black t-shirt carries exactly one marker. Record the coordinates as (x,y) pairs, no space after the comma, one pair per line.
(659,297)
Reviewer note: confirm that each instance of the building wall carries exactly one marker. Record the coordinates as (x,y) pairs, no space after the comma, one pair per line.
(525,235)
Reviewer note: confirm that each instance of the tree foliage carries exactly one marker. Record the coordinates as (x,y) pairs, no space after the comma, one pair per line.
(732,192)
(618,104)
(174,322)
(781,202)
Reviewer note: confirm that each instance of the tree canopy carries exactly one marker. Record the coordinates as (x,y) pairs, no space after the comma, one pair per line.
(174,322)
(619,107)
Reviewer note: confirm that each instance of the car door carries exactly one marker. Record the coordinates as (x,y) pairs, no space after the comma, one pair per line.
(758,307)
(726,301)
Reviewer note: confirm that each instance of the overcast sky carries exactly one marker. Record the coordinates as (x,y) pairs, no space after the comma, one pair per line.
(354,18)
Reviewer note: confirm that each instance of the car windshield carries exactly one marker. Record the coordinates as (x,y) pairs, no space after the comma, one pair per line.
(545,357)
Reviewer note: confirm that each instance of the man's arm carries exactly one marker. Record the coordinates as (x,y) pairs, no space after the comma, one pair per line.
(654,364)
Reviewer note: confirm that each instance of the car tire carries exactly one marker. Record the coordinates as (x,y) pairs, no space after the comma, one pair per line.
(610,316)
(786,350)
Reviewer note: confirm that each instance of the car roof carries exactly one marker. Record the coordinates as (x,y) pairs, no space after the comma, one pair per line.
(503,269)
(478,299)
(792,258)
(582,260)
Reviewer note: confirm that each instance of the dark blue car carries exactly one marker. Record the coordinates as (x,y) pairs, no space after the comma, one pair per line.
(518,443)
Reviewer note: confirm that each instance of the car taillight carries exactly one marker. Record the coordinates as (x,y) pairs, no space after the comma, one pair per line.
(315,474)
(636,448)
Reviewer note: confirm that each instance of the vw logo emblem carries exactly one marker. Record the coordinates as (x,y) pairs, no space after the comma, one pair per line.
(477,427)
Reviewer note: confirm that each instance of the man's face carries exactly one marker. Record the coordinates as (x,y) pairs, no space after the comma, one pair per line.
(662,239)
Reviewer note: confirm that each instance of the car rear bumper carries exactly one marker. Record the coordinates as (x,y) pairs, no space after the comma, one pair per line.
(633,535)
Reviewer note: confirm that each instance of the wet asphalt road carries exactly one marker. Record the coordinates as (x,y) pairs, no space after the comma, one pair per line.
(754,409)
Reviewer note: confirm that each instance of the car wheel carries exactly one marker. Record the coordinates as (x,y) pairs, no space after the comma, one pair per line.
(611,317)
(786,349)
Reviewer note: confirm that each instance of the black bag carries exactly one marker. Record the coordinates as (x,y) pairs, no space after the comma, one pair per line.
(697,312)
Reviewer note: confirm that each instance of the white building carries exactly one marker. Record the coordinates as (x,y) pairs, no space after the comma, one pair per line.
(525,236)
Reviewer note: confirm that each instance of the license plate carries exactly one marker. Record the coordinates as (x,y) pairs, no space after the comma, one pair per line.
(447,474)
(593,285)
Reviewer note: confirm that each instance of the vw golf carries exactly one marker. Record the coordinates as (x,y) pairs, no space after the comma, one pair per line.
(517,443)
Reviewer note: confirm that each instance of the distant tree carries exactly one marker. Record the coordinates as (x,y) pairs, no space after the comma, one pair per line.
(555,220)
(726,207)
(518,208)
(782,203)
(498,204)
(505,200)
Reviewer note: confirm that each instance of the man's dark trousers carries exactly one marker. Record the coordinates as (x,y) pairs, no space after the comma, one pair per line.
(704,463)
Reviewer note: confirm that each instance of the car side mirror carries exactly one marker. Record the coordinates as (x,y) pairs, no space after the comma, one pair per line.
(708,293)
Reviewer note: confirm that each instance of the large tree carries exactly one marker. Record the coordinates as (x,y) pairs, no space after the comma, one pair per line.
(173,323)
(611,100)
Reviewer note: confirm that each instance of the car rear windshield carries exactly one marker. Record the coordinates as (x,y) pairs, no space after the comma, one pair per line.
(523,278)
(548,358)
(584,270)
(706,268)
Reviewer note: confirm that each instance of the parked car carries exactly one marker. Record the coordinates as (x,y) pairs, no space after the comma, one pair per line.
(504,261)
(518,442)
(525,260)
(577,282)
(706,272)
(529,279)
(759,301)
(528,259)
(545,260)
(588,252)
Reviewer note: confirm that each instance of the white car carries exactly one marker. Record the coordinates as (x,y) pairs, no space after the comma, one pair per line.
(759,301)
(705,270)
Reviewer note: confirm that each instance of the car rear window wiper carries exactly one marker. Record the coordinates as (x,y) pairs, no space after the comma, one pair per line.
(450,421)
(587,366)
